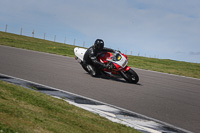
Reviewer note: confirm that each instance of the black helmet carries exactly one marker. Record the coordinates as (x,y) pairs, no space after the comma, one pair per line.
(99,44)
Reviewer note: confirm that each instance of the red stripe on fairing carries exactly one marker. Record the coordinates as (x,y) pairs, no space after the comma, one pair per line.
(126,68)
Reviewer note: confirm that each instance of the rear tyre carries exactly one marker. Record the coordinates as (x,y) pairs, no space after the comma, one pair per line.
(84,66)
(130,76)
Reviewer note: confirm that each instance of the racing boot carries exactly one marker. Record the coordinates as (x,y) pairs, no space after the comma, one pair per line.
(92,70)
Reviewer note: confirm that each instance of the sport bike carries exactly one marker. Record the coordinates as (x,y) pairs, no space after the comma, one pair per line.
(117,62)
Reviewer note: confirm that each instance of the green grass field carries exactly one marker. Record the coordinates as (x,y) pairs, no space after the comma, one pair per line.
(161,65)
(166,66)
(27,111)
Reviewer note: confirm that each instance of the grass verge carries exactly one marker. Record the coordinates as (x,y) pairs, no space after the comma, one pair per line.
(161,65)
(27,111)
(166,66)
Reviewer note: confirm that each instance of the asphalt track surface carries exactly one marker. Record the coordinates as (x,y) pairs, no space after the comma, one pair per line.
(168,98)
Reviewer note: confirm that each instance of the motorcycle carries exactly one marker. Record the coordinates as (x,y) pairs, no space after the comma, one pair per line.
(117,61)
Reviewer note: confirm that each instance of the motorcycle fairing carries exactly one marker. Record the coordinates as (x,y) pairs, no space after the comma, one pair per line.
(118,59)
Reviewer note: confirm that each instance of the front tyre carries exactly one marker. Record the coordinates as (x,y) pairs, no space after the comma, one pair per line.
(130,76)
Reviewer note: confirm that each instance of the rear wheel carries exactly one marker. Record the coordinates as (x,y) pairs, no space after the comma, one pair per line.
(84,66)
(130,76)
(93,71)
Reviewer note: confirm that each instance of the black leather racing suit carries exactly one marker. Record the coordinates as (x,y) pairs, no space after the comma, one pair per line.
(90,57)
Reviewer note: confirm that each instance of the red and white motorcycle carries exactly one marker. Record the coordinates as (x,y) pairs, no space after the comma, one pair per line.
(118,62)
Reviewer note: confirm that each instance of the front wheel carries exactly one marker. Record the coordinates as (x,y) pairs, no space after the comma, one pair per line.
(130,76)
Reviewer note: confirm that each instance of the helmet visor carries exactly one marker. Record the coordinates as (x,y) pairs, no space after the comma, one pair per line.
(100,46)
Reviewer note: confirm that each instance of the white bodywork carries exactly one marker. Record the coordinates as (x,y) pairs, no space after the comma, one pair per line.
(122,61)
(79,52)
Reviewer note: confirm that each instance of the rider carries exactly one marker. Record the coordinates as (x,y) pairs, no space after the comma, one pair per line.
(90,58)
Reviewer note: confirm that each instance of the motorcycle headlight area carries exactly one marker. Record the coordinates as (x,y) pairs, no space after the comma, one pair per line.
(116,57)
